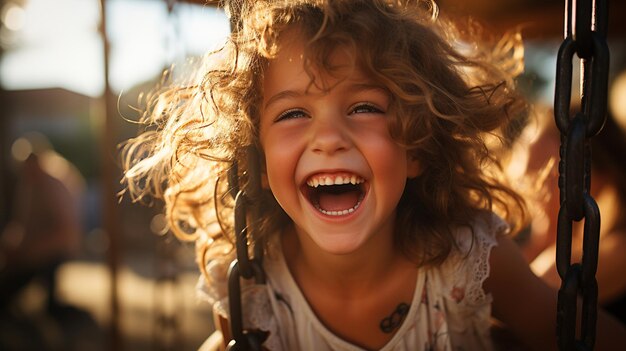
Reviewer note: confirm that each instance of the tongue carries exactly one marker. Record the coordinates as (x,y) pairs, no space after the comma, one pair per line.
(338,202)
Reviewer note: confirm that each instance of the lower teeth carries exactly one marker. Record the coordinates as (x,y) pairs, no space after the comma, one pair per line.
(338,213)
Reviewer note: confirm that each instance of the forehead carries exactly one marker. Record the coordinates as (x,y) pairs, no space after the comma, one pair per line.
(289,59)
(294,65)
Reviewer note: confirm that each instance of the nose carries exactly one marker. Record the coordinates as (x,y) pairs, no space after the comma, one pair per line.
(329,135)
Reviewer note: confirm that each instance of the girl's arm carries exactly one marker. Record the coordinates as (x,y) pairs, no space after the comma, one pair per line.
(527,306)
(611,274)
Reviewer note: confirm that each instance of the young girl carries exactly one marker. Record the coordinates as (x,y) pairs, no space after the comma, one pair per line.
(375,127)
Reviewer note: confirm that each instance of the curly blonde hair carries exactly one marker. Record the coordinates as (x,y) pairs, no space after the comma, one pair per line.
(451,98)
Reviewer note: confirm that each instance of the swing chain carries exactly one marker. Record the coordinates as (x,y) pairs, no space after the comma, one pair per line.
(585,36)
(244,266)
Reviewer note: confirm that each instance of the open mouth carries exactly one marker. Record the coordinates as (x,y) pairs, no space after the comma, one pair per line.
(335,194)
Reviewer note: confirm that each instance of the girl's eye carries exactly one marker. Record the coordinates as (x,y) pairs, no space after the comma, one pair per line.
(365,108)
(290,114)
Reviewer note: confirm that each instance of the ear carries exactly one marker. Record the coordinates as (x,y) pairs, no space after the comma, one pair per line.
(413,167)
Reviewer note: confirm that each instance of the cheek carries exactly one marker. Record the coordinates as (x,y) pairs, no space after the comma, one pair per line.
(389,163)
(279,164)
(280,177)
(381,146)
(395,165)
(272,166)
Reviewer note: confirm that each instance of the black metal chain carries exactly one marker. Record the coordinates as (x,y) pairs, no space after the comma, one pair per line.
(585,36)
(246,208)
(244,266)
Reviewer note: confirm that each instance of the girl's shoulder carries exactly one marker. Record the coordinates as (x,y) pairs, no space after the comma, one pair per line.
(463,273)
(453,291)
(483,231)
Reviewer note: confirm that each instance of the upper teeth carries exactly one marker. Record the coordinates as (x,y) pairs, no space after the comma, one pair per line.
(334,180)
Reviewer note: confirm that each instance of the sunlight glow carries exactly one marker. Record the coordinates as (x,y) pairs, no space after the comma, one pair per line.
(617,100)
(57,43)
(13,16)
(21,149)
(57,46)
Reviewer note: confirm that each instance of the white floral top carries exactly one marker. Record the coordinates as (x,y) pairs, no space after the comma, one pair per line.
(449,311)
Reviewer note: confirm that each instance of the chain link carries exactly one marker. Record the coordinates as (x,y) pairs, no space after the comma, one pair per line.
(244,267)
(585,36)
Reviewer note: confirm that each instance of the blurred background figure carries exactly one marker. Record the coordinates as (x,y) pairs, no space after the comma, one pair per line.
(44,225)
(43,231)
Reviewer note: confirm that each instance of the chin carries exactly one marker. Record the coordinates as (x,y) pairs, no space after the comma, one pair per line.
(339,244)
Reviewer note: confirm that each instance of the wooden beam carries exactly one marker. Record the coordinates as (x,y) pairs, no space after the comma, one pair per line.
(108,180)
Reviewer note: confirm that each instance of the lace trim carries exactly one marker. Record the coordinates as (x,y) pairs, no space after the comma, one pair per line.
(257,313)
(486,233)
(216,288)
(256,304)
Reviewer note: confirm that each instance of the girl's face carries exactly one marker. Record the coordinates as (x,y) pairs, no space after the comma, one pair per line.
(331,163)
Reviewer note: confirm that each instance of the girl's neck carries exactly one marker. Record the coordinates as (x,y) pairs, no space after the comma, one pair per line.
(350,274)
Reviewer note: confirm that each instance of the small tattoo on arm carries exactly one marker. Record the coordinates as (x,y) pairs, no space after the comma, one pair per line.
(391,323)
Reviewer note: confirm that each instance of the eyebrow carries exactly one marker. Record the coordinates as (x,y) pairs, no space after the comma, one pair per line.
(285,94)
(356,87)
